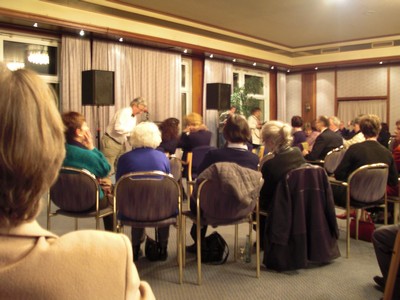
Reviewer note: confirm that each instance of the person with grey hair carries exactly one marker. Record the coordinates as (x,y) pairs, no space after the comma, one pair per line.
(144,139)
(334,124)
(113,142)
(277,138)
(358,136)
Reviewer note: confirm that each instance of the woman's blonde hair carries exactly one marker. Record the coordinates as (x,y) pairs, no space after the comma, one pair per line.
(193,119)
(276,136)
(31,144)
(145,134)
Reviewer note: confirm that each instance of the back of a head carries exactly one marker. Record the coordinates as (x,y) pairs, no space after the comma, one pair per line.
(297,121)
(72,121)
(31,144)
(324,120)
(193,119)
(145,135)
(138,101)
(169,129)
(277,135)
(370,125)
(236,129)
(335,121)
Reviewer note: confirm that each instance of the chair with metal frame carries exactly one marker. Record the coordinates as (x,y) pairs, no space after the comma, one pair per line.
(393,269)
(365,188)
(149,199)
(76,193)
(333,159)
(396,204)
(221,209)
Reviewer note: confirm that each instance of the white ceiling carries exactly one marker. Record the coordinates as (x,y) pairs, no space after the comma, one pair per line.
(289,23)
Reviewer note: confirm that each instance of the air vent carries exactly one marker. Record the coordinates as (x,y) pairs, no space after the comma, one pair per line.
(382,44)
(330,50)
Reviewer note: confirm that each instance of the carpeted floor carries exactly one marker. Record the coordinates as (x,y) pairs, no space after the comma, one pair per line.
(342,279)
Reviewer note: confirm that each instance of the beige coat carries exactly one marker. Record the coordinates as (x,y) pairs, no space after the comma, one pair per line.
(86,264)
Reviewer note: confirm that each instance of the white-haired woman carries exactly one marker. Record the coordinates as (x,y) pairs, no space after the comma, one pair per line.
(277,138)
(35,263)
(144,139)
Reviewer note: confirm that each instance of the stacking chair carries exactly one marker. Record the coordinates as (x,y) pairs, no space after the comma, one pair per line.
(333,159)
(217,205)
(365,187)
(176,170)
(76,194)
(193,161)
(149,199)
(393,269)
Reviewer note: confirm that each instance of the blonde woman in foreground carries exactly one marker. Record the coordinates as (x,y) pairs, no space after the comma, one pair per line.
(35,263)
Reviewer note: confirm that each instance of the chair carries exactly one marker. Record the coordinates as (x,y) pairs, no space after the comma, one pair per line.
(149,199)
(176,170)
(77,194)
(393,269)
(301,225)
(333,159)
(365,187)
(396,204)
(193,161)
(225,207)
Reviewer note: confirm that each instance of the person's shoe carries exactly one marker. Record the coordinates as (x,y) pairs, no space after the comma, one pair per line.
(380,281)
(137,252)
(192,248)
(163,254)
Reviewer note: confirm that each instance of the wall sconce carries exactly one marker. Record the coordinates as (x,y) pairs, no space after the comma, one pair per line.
(307,107)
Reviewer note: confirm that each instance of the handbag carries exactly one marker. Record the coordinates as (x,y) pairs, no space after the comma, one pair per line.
(214,249)
(365,228)
(152,249)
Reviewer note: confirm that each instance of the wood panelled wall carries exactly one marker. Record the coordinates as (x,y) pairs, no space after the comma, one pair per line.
(197,85)
(308,96)
(273,96)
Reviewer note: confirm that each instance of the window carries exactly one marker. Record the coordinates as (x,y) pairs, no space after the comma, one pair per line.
(186,86)
(250,90)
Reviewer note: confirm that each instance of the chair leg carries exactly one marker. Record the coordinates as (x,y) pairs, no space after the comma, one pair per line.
(235,244)
(184,240)
(348,233)
(258,242)
(357,222)
(179,248)
(198,236)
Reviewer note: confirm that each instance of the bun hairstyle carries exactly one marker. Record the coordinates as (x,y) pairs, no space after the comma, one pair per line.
(277,136)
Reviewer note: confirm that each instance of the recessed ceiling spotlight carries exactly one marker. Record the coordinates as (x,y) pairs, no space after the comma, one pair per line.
(254,64)
(121,39)
(272,67)
(81,33)
(288,71)
(381,62)
(185,51)
(234,60)
(211,55)
(316,68)
(35,25)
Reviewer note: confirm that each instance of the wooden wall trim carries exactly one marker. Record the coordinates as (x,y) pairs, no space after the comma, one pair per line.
(388,96)
(197,85)
(308,96)
(362,98)
(273,95)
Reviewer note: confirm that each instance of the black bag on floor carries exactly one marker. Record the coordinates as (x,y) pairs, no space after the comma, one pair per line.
(214,249)
(152,249)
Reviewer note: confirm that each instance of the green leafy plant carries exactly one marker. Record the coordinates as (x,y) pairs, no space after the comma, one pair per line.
(241,97)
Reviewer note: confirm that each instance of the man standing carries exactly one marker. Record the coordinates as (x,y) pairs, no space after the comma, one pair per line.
(325,142)
(119,129)
(255,126)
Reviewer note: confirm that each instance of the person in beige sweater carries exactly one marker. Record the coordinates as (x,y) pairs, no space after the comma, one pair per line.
(34,263)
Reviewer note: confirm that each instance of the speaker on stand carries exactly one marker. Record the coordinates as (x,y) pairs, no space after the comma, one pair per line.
(98,90)
(218,96)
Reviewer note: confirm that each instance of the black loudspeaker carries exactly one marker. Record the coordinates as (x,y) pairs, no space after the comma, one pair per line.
(97,87)
(218,96)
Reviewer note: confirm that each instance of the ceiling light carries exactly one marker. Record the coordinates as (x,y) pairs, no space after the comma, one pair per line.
(38,55)
(185,51)
(381,62)
(316,68)
(234,60)
(254,64)
(211,55)
(272,67)
(121,39)
(81,33)
(35,25)
(288,71)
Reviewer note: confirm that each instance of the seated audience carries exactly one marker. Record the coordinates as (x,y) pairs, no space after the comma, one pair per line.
(277,138)
(343,130)
(364,153)
(325,142)
(384,135)
(334,124)
(81,154)
(357,137)
(236,133)
(35,263)
(383,240)
(311,133)
(169,136)
(144,139)
(299,136)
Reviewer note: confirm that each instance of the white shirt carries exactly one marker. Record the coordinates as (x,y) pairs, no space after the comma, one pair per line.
(255,132)
(121,125)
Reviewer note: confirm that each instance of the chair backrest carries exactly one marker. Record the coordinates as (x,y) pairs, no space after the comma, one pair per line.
(333,159)
(176,167)
(368,183)
(195,157)
(75,190)
(147,196)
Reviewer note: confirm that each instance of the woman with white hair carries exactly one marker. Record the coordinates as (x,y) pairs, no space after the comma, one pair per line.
(35,263)
(144,139)
(277,138)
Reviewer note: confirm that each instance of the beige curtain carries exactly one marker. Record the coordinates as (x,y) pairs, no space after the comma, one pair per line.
(348,110)
(215,72)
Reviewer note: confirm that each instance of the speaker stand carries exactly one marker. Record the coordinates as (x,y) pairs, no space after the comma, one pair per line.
(98,127)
